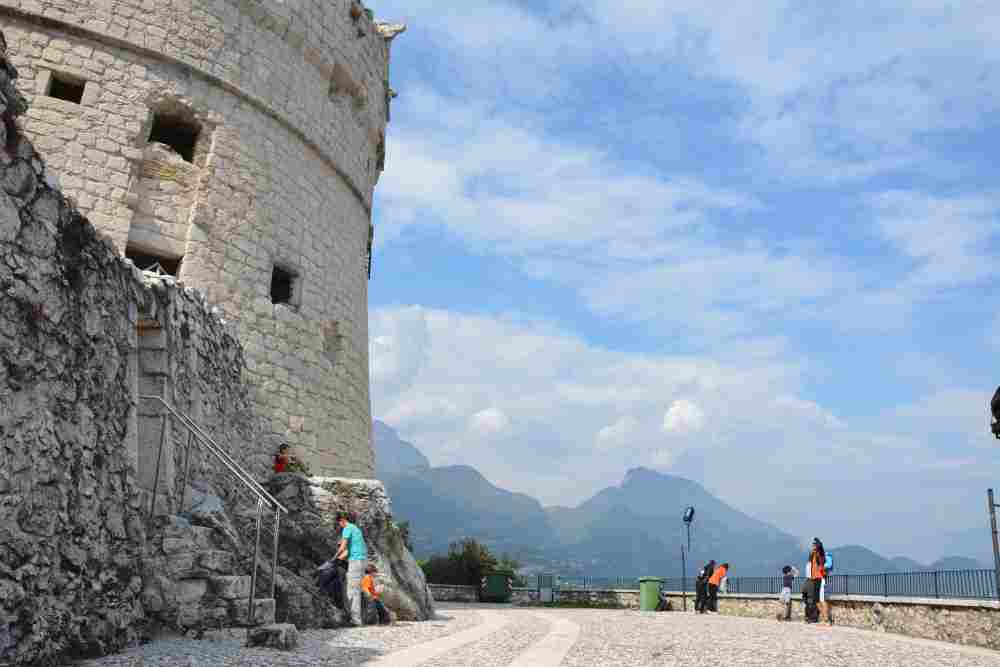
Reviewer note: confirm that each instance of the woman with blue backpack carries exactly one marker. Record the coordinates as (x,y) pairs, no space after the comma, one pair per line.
(820,565)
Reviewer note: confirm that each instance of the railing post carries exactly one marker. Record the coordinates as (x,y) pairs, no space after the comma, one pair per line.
(256,554)
(187,469)
(885,584)
(274,565)
(156,474)
(937,593)
(847,584)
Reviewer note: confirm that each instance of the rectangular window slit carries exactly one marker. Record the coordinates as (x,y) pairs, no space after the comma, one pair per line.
(144,261)
(66,87)
(179,134)
(283,286)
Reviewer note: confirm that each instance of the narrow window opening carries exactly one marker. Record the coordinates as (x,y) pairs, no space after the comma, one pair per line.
(144,261)
(282,286)
(66,87)
(176,132)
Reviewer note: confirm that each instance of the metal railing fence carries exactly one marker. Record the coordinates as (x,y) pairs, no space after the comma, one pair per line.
(947,584)
(198,437)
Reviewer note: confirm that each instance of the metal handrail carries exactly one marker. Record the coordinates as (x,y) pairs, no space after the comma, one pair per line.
(195,434)
(221,454)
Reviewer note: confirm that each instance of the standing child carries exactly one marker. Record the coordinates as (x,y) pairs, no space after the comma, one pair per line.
(372,596)
(788,575)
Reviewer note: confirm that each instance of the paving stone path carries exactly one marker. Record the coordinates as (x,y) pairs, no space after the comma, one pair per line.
(497,636)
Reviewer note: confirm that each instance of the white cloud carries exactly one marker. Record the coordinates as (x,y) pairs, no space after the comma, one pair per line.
(617,435)
(683,418)
(489,423)
(558,403)
(949,238)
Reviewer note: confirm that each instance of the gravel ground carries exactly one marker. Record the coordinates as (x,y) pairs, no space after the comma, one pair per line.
(630,638)
(500,648)
(317,648)
(607,637)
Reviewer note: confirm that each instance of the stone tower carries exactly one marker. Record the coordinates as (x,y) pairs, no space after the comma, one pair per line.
(236,144)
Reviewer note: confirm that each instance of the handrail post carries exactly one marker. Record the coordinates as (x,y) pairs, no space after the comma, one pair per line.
(256,554)
(885,584)
(187,469)
(937,593)
(274,565)
(156,474)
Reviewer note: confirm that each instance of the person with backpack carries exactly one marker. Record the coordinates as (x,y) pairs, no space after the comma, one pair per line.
(713,587)
(701,587)
(816,583)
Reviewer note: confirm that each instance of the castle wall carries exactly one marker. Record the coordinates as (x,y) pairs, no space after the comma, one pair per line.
(291,100)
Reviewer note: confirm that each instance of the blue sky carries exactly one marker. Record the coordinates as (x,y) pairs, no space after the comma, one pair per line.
(751,243)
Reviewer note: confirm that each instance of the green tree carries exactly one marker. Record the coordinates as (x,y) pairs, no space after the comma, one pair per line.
(466,564)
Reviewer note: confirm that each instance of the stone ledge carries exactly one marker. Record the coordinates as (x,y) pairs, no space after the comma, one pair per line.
(926,602)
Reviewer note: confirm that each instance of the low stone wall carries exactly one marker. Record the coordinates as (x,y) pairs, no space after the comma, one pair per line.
(971,622)
(447,593)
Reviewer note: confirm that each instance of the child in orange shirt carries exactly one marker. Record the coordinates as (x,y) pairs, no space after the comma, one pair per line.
(372,595)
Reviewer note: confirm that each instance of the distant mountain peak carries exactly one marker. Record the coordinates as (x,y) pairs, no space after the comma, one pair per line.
(393,455)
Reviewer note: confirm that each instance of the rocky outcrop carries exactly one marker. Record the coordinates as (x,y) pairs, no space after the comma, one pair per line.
(280,636)
(309,537)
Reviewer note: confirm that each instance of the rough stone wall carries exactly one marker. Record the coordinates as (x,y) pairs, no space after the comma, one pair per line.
(74,321)
(70,532)
(292,101)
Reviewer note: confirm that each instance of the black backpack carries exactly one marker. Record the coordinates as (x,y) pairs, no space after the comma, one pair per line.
(995,410)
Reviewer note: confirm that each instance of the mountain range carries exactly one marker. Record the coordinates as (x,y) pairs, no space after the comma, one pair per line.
(630,529)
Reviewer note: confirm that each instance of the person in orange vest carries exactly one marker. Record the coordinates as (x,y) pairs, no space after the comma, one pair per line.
(817,578)
(713,587)
(372,595)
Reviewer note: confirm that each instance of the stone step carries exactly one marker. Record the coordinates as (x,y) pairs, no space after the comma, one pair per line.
(263,612)
(231,587)
(219,562)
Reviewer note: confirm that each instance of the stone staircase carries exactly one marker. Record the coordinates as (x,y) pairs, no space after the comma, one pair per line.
(192,583)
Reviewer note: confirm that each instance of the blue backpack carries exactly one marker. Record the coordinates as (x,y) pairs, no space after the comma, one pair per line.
(828,563)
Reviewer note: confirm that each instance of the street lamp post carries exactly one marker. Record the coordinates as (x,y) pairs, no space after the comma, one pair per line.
(996,544)
(688,518)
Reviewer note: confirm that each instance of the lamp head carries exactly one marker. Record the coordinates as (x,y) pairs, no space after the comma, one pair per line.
(689,515)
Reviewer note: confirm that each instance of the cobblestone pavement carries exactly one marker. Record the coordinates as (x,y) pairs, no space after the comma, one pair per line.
(500,636)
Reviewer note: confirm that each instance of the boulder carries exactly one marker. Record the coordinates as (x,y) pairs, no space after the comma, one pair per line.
(282,636)
(309,536)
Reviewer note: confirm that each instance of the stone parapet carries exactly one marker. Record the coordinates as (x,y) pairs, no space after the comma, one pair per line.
(450,593)
(971,622)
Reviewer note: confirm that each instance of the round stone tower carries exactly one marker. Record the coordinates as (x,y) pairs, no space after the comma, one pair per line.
(235,144)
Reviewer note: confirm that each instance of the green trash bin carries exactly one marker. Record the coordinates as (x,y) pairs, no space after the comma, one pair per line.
(497,586)
(649,593)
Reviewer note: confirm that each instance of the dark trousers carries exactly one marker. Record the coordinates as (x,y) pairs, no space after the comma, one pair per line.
(700,596)
(380,615)
(713,597)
